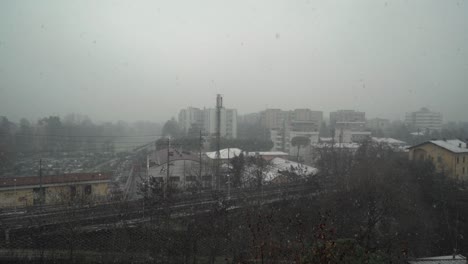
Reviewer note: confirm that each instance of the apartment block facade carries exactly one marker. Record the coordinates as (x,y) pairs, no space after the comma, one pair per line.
(424,120)
(206,120)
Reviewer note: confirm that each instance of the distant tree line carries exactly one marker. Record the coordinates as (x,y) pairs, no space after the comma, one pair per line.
(71,133)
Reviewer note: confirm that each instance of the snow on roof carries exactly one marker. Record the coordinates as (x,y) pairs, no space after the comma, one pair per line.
(417,133)
(360,132)
(457,259)
(267,153)
(279,165)
(390,141)
(225,153)
(453,145)
(286,165)
(336,145)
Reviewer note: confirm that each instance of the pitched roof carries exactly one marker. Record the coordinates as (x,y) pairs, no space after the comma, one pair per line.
(267,153)
(457,259)
(53,179)
(225,153)
(388,141)
(452,145)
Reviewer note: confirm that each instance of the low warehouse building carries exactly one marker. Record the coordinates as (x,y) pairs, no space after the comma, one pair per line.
(54,189)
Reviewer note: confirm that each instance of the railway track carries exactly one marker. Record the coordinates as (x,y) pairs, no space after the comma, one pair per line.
(55,216)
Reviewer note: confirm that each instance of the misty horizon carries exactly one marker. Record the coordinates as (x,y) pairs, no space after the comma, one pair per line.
(147,60)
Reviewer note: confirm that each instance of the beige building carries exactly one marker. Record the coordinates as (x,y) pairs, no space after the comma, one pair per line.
(55,189)
(448,156)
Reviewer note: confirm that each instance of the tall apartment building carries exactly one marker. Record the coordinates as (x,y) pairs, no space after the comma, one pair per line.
(378,124)
(347,116)
(206,120)
(349,126)
(252,118)
(277,118)
(295,123)
(228,122)
(273,118)
(424,120)
(190,116)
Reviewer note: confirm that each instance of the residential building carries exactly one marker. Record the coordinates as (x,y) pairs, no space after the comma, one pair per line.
(282,140)
(378,124)
(205,119)
(349,126)
(345,116)
(190,116)
(314,118)
(279,119)
(252,118)
(448,156)
(274,118)
(424,119)
(350,135)
(228,122)
(53,189)
(295,123)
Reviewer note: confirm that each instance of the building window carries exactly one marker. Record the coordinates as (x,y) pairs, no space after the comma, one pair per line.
(458,159)
(87,189)
(175,178)
(206,178)
(463,170)
(463,159)
(72,191)
(191,178)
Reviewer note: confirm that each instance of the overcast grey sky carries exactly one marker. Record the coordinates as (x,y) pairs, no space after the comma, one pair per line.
(145,60)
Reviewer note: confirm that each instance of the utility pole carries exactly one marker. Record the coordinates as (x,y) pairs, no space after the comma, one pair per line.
(219,105)
(166,184)
(229,186)
(16,198)
(200,159)
(40,183)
